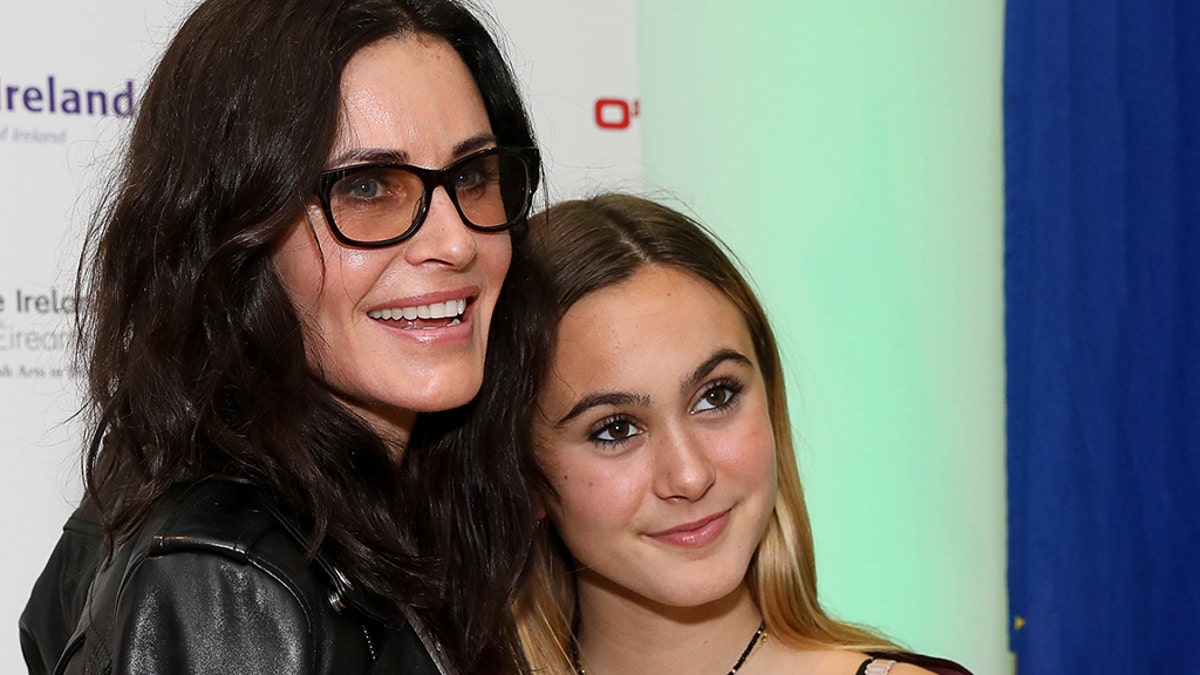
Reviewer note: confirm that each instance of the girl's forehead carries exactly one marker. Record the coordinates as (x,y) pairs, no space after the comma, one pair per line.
(647,333)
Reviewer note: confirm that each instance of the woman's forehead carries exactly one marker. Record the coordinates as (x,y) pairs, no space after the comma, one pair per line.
(411,96)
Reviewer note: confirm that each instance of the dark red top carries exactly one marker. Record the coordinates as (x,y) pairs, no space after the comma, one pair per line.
(939,666)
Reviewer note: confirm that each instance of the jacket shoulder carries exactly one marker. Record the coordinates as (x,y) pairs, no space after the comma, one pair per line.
(213,515)
(232,519)
(217,575)
(190,610)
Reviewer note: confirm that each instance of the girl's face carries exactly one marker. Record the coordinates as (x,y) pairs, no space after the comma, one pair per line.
(409,100)
(654,430)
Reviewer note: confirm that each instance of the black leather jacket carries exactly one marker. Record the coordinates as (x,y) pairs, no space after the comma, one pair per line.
(214,581)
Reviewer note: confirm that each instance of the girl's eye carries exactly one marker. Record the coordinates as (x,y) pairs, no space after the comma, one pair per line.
(720,395)
(613,431)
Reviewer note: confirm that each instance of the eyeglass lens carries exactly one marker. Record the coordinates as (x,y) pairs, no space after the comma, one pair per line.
(377,203)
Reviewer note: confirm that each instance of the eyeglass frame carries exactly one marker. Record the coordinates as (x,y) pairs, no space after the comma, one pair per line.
(431,179)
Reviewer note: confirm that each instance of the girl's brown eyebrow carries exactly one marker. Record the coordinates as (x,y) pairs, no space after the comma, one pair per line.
(710,364)
(624,398)
(615,398)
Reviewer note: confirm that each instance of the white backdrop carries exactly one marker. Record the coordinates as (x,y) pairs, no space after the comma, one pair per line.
(68,69)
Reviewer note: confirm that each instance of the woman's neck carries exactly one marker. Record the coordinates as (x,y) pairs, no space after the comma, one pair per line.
(393,425)
(618,634)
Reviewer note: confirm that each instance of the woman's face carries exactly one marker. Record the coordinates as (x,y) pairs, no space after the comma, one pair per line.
(409,100)
(654,430)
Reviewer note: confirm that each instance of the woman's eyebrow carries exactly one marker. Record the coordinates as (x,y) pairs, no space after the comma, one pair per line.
(394,156)
(371,155)
(476,142)
(616,398)
(710,364)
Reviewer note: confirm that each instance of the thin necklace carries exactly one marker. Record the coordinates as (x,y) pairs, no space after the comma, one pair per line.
(760,634)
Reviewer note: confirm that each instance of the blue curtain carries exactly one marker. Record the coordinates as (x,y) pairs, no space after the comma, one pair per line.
(1102,284)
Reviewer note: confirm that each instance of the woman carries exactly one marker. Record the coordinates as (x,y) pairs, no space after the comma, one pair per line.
(676,537)
(291,289)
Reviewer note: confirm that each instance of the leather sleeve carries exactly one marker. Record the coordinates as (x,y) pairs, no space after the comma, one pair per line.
(59,595)
(213,582)
(193,612)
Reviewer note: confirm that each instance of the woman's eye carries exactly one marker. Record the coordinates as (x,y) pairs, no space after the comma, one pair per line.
(716,397)
(364,186)
(365,189)
(478,176)
(614,431)
(467,179)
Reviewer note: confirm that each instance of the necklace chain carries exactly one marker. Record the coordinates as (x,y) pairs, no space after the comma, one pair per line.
(759,635)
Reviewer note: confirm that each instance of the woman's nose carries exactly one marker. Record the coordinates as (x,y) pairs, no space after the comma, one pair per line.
(443,238)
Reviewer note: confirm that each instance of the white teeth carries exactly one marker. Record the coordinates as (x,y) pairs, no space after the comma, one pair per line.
(436,310)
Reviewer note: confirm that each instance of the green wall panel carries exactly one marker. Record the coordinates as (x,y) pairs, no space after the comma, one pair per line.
(850,153)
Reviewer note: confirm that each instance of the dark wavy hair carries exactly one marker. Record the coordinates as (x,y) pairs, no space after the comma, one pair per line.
(195,357)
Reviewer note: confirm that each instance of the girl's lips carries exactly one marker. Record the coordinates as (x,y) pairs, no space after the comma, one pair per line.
(694,534)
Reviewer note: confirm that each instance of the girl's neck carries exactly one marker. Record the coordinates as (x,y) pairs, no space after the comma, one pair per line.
(621,635)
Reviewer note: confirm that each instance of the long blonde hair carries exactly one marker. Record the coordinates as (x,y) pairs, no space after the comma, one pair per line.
(589,244)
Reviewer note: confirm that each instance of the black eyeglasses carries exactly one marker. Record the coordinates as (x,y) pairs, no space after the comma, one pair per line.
(379,204)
